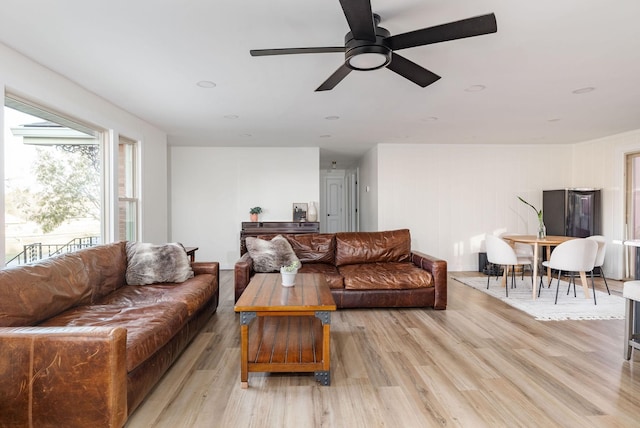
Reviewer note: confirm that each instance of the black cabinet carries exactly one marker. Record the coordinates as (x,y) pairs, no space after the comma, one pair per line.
(572,212)
(271,228)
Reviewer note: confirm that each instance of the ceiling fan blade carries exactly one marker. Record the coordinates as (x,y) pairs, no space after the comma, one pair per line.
(469,27)
(335,78)
(288,51)
(360,18)
(411,70)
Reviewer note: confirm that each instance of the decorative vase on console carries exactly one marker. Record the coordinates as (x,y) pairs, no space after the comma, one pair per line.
(312,213)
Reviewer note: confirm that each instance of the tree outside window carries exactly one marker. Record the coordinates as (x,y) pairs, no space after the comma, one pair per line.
(52,187)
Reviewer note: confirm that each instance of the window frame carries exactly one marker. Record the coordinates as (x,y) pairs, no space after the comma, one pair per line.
(101,135)
(128,169)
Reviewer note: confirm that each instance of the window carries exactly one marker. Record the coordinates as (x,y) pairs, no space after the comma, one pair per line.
(127,190)
(53,199)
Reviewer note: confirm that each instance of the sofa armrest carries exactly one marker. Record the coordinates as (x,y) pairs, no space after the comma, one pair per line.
(243,271)
(212,268)
(209,268)
(63,376)
(438,269)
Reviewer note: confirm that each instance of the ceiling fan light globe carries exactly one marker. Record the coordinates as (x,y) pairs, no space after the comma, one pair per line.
(366,58)
(367,61)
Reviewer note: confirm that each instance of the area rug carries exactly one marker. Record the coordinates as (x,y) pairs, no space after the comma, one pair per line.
(543,308)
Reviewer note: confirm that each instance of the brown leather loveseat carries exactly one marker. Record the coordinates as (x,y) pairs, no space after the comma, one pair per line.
(365,269)
(81,348)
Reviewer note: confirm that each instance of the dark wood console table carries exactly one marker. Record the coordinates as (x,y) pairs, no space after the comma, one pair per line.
(275,228)
(191,252)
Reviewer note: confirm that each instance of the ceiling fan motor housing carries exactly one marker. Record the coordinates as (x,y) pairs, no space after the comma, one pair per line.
(378,54)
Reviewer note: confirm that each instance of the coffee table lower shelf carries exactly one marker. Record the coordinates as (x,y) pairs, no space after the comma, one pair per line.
(285,343)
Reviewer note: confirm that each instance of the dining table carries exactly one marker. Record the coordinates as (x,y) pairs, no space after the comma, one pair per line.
(547,242)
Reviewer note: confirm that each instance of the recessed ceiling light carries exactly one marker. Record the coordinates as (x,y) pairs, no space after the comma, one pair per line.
(555,119)
(325,136)
(476,88)
(332,117)
(206,84)
(231,116)
(584,90)
(245,135)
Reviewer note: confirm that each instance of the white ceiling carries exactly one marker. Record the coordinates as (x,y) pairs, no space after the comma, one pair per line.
(146,56)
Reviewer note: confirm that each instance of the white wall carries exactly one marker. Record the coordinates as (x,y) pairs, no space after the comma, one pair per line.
(213,188)
(601,164)
(450,196)
(21,76)
(368,191)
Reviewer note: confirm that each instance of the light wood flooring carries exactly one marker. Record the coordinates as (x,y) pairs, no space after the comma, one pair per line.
(480,363)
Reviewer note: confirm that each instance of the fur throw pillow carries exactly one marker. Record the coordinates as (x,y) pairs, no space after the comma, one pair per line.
(269,256)
(152,264)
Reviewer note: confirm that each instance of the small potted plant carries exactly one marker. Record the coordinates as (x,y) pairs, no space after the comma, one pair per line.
(289,272)
(254,213)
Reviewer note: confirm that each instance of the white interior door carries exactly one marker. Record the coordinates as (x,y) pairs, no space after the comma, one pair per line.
(351,197)
(333,203)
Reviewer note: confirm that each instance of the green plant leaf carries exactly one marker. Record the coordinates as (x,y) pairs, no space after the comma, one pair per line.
(538,212)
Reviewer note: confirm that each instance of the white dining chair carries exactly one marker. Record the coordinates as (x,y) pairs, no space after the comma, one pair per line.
(602,248)
(575,255)
(524,251)
(499,252)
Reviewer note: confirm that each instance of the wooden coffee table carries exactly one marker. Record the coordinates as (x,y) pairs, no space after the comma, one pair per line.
(285,329)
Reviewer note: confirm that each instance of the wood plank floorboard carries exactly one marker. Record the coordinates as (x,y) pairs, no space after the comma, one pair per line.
(480,363)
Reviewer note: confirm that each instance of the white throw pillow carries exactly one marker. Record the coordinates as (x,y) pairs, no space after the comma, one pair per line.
(270,256)
(152,264)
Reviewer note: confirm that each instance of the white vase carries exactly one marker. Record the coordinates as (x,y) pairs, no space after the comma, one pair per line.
(312,213)
(288,278)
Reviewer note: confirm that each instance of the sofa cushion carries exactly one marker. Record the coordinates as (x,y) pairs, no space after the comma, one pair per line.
(373,247)
(270,255)
(149,327)
(152,264)
(106,266)
(194,293)
(32,293)
(388,276)
(314,247)
(330,272)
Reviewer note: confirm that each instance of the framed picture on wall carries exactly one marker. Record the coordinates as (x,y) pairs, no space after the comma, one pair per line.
(300,211)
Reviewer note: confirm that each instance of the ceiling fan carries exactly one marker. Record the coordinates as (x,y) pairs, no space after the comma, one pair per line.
(369,47)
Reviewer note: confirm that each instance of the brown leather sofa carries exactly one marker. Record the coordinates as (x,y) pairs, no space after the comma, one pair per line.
(365,269)
(81,348)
